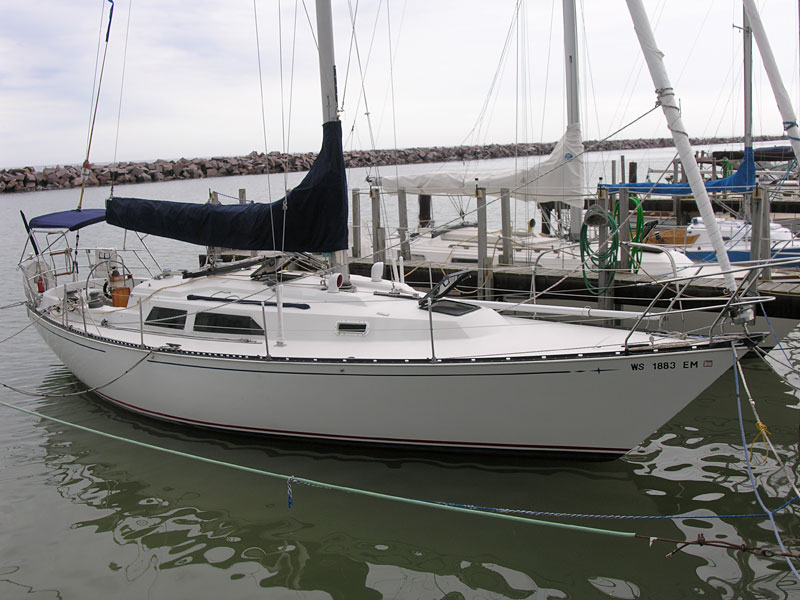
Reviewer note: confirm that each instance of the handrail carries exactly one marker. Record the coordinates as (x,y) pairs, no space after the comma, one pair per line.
(736,298)
(539,255)
(659,249)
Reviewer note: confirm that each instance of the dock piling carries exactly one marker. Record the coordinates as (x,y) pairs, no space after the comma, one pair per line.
(507,257)
(355,196)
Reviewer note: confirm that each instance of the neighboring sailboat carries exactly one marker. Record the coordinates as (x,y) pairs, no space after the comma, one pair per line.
(266,346)
(557,178)
(737,235)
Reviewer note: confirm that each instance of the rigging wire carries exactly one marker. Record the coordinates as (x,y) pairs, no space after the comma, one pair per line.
(96,67)
(291,78)
(362,71)
(394,112)
(285,149)
(93,120)
(350,50)
(263,115)
(121,88)
(495,80)
(311,26)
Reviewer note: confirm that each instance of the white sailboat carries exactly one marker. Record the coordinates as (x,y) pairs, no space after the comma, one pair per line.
(268,347)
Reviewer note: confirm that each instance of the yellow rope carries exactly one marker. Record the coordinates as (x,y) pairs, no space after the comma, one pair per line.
(763,432)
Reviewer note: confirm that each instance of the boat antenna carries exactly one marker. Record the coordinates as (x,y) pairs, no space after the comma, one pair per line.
(85,168)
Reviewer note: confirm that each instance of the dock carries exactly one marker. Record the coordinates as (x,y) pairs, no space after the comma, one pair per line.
(631,289)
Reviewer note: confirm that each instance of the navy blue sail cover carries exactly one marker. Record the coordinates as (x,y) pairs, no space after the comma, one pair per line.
(69,219)
(742,181)
(315,215)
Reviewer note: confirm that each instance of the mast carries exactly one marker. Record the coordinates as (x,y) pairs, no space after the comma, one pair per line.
(573,99)
(747,34)
(330,98)
(327,66)
(666,97)
(771,67)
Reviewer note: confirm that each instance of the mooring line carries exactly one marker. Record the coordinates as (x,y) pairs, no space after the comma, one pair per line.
(79,392)
(750,468)
(565,515)
(503,514)
(15,334)
(13,304)
(320,484)
(499,513)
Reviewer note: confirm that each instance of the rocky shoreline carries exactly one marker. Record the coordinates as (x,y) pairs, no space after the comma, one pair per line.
(29,179)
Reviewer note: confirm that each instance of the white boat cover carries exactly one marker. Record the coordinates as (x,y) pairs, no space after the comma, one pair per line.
(559,177)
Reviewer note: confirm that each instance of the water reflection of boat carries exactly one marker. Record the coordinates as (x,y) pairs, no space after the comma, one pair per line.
(172,520)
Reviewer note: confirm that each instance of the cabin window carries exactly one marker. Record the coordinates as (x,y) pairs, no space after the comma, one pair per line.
(171,318)
(352,328)
(451,307)
(212,322)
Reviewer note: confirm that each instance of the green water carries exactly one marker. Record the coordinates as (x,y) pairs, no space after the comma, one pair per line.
(86,517)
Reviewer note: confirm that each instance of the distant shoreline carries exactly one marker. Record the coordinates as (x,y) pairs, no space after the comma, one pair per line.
(30,179)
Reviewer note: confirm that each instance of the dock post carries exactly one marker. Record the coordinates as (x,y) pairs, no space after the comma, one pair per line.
(622,168)
(624,231)
(242,196)
(633,172)
(355,196)
(766,242)
(759,235)
(507,258)
(424,201)
(613,172)
(402,209)
(605,301)
(378,232)
(484,275)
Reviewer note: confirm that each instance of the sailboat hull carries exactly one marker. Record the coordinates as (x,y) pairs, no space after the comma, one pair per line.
(576,404)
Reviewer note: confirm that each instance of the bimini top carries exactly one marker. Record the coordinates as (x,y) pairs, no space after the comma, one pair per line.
(742,181)
(312,217)
(69,219)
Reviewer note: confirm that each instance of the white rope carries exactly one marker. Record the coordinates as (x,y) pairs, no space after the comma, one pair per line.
(789,474)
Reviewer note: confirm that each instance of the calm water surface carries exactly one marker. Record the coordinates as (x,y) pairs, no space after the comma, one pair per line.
(86,517)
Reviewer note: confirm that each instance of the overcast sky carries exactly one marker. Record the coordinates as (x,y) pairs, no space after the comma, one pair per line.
(191,77)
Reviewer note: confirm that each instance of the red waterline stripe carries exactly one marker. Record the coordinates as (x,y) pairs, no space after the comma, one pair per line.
(359,438)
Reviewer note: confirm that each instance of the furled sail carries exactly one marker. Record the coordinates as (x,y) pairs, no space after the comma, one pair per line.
(560,177)
(743,180)
(314,219)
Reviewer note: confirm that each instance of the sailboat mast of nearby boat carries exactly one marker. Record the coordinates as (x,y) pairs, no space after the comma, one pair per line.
(771,67)
(573,98)
(666,97)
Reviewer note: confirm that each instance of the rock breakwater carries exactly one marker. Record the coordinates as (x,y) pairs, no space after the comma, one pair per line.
(28,179)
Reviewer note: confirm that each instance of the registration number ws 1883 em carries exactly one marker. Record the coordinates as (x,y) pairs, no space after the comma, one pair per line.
(663,365)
